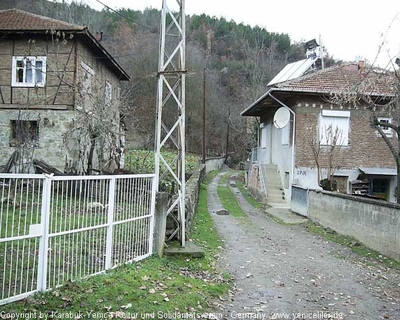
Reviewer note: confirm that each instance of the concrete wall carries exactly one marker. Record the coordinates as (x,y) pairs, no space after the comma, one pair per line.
(374,223)
(299,200)
(214,164)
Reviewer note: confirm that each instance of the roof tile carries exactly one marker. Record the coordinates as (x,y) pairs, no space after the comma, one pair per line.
(344,78)
(14,19)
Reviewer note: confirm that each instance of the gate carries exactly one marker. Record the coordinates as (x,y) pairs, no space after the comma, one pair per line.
(54,229)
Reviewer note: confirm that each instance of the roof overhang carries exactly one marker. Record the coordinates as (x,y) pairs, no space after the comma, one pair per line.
(268,100)
(378,171)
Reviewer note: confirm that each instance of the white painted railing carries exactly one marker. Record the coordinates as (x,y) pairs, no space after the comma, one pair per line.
(59,228)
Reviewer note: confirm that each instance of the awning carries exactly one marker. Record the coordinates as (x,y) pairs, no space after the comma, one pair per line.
(378,171)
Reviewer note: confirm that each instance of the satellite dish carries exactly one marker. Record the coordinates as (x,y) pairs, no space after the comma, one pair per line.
(281,117)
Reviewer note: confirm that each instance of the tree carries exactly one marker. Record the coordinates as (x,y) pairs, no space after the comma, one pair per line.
(326,149)
(379,90)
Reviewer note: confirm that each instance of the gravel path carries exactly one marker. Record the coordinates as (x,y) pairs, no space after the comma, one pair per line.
(286,269)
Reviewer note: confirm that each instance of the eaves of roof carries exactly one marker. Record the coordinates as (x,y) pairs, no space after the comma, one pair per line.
(266,101)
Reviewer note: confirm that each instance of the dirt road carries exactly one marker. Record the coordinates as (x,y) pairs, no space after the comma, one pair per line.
(285,272)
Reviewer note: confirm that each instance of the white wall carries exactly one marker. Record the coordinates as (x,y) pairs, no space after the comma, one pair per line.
(307,178)
(281,155)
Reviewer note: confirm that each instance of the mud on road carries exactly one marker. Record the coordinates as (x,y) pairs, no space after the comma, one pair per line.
(285,272)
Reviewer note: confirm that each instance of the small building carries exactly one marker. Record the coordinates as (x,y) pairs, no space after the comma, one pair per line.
(325,131)
(59,94)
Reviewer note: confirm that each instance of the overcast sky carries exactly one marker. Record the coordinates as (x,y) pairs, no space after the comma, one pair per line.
(349,29)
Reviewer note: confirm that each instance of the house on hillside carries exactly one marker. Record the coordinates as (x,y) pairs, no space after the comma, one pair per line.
(59,95)
(315,120)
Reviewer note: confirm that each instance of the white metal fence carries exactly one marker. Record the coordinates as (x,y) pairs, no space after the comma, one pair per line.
(54,229)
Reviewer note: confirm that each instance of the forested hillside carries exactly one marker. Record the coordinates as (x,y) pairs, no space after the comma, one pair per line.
(238,62)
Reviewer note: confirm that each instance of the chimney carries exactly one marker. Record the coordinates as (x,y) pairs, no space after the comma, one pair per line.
(99,36)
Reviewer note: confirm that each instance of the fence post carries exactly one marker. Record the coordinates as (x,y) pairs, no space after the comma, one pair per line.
(110,223)
(160,223)
(44,240)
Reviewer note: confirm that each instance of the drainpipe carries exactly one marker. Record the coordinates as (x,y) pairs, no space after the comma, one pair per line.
(293,133)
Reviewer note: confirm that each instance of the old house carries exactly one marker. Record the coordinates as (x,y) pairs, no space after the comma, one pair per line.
(319,126)
(59,94)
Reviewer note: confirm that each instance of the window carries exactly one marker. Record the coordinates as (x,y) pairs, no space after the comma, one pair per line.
(24,132)
(334,127)
(86,98)
(386,130)
(285,132)
(264,128)
(108,93)
(28,71)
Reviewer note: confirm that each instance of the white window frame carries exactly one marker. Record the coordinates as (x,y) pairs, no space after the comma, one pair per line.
(386,130)
(108,93)
(33,82)
(332,119)
(263,140)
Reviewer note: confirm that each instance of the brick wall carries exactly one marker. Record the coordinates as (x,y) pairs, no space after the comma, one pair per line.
(366,148)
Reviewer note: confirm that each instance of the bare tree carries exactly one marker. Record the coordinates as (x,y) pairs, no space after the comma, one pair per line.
(326,149)
(379,90)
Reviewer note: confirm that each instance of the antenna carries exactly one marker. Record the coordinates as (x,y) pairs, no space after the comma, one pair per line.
(281,118)
(321,52)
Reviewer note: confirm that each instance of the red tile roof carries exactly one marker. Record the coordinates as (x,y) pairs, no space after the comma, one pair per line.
(344,78)
(13,20)
(347,79)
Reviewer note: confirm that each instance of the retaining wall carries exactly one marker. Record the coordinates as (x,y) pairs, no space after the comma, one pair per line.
(374,223)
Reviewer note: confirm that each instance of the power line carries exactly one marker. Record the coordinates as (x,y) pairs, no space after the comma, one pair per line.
(129,19)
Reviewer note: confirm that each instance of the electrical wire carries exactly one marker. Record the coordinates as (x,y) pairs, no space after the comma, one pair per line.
(129,19)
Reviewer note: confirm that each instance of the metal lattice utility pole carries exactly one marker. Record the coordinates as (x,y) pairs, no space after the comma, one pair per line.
(170,126)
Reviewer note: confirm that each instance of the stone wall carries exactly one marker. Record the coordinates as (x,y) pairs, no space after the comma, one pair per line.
(191,198)
(52,125)
(192,194)
(374,223)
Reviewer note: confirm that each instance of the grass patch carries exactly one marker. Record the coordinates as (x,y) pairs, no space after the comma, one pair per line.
(151,286)
(351,243)
(247,195)
(228,199)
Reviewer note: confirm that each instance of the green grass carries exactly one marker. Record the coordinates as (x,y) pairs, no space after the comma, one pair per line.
(247,195)
(228,199)
(150,286)
(353,244)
